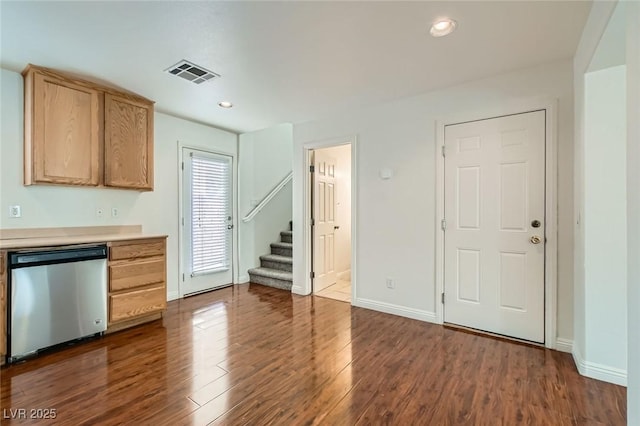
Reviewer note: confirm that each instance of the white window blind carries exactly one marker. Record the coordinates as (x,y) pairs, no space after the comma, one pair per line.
(210,214)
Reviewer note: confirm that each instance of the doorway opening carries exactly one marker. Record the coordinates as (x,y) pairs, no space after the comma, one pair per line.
(331,212)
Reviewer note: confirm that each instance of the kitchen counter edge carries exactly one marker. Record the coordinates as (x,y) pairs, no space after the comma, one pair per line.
(27,243)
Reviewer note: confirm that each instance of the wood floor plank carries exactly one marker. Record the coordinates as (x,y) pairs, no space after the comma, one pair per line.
(255,355)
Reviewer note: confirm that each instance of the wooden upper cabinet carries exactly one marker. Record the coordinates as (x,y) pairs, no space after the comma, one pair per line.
(128,143)
(62,140)
(82,133)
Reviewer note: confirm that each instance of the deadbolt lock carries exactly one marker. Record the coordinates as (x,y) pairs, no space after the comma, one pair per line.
(535,224)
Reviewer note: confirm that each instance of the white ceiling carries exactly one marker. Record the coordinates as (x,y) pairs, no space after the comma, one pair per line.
(285,61)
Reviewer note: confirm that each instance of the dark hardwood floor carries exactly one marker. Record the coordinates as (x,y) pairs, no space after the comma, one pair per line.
(255,355)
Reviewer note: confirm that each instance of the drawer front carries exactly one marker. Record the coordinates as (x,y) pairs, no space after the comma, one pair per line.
(129,251)
(124,276)
(130,305)
(3,308)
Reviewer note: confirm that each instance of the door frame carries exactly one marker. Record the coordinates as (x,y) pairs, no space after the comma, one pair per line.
(234,210)
(307,237)
(550,106)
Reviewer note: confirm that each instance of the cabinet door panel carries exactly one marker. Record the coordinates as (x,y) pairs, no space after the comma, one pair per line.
(135,303)
(66,132)
(128,275)
(128,143)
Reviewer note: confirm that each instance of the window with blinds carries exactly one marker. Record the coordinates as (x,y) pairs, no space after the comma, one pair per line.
(210,214)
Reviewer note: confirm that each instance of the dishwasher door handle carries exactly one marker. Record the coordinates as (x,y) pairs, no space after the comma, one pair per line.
(25,259)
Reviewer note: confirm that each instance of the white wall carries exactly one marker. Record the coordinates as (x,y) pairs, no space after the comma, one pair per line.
(342,154)
(633,210)
(594,29)
(604,221)
(57,206)
(265,159)
(396,218)
(596,354)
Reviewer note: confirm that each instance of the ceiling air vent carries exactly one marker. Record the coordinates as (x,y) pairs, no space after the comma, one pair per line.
(192,72)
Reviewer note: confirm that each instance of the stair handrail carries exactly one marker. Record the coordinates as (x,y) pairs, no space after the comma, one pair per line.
(268,197)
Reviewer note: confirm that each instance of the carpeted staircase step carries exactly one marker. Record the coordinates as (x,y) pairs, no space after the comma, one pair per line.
(276,269)
(286,236)
(273,261)
(272,278)
(282,249)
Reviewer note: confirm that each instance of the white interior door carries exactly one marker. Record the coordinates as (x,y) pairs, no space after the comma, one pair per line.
(207,221)
(324,217)
(495,225)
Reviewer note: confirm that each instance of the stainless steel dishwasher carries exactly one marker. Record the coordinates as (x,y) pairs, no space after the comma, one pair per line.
(57,295)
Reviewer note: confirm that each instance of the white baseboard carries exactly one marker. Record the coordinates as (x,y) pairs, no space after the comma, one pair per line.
(390,308)
(173,295)
(344,275)
(599,371)
(296,289)
(564,345)
(243,279)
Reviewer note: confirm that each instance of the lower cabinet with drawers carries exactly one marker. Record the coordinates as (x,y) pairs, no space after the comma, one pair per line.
(137,282)
(3,306)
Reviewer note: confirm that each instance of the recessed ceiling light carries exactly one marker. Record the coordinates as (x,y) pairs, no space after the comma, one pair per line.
(442,27)
(225,104)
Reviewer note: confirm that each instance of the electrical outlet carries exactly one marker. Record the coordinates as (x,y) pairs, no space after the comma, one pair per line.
(99,212)
(391,283)
(15,211)
(114,212)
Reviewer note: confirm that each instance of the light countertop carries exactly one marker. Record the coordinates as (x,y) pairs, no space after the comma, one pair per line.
(33,242)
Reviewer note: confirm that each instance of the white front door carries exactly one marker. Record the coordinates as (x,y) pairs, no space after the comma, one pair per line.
(207,223)
(495,225)
(324,217)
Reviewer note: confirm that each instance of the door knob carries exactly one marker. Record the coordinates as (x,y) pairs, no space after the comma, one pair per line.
(535,239)
(229,226)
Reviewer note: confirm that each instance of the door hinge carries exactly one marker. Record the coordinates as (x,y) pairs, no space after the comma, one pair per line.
(312,169)
(182,277)
(183,221)
(443,224)
(313,222)
(443,151)
(182,165)
(443,298)
(312,275)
